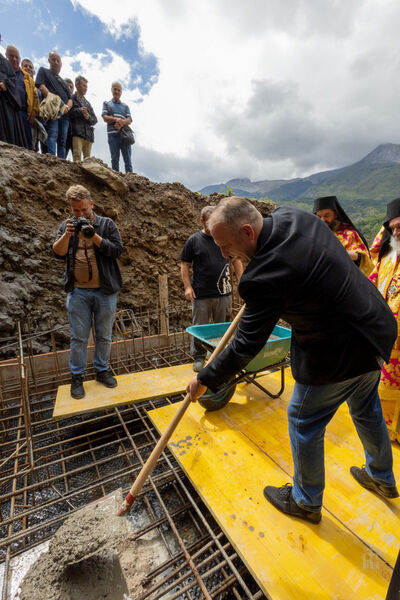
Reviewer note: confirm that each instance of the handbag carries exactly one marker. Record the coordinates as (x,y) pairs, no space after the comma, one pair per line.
(126,132)
(127,135)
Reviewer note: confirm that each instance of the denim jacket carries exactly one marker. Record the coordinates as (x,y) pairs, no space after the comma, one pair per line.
(106,255)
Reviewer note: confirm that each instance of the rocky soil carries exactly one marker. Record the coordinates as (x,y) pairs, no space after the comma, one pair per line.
(154,219)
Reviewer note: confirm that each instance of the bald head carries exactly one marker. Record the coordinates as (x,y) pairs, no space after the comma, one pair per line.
(236,211)
(12,54)
(55,62)
(11,48)
(235,225)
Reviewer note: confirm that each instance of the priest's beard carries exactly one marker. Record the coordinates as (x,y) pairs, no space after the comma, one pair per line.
(395,244)
(333,224)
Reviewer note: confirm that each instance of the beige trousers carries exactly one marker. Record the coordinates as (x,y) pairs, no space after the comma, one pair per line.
(79,147)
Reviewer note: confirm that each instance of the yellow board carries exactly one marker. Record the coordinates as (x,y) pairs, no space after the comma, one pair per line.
(372,518)
(134,387)
(230,455)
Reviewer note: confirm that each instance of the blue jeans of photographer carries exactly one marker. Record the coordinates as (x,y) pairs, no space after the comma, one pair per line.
(82,303)
(116,146)
(309,412)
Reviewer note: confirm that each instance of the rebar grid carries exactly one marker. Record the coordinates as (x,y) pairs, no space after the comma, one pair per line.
(80,459)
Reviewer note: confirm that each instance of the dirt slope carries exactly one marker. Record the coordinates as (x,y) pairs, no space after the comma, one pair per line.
(154,220)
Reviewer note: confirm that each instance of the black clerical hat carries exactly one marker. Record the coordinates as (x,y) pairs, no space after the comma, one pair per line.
(392,211)
(332,203)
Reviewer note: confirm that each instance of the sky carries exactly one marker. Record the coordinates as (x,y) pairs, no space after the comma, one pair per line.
(222,89)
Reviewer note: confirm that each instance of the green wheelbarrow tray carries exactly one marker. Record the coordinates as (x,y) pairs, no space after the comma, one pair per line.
(272,357)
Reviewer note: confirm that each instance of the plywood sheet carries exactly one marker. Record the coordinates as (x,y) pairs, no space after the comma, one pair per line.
(133,387)
(371,517)
(230,455)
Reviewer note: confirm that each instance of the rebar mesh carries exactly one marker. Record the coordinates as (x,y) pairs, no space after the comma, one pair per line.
(50,468)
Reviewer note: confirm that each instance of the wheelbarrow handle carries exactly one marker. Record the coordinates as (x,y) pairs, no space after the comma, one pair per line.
(164,439)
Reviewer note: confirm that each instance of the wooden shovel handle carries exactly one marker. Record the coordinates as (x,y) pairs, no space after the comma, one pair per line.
(164,439)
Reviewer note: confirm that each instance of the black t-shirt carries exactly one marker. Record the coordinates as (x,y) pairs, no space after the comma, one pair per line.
(54,83)
(210,269)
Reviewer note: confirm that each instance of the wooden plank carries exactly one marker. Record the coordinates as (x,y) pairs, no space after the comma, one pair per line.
(133,387)
(290,559)
(264,421)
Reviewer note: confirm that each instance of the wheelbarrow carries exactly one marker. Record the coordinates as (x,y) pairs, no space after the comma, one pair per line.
(271,358)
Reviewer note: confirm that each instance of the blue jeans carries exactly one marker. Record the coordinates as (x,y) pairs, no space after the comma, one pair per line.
(27,128)
(116,146)
(309,412)
(81,304)
(57,131)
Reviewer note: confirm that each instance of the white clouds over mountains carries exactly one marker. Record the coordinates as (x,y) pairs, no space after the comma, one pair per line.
(261,89)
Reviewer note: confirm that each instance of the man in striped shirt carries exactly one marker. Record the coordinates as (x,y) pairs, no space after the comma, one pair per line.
(117,114)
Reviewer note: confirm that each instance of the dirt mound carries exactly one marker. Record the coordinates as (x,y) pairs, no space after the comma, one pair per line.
(154,219)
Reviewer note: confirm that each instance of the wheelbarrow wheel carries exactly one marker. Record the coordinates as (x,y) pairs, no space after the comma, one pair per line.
(216,401)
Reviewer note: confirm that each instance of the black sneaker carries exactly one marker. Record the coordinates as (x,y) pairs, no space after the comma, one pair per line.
(106,379)
(383,489)
(77,390)
(282,499)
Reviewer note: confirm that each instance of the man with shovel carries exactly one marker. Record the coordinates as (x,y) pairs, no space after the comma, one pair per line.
(342,332)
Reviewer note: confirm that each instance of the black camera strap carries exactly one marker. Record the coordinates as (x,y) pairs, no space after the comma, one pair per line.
(89,265)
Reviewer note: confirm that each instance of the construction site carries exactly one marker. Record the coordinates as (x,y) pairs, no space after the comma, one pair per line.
(200,527)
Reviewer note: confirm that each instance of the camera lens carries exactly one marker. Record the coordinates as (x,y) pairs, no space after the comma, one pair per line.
(87,231)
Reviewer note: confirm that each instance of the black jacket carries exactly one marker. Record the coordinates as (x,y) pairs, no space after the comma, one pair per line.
(82,127)
(301,272)
(54,83)
(106,255)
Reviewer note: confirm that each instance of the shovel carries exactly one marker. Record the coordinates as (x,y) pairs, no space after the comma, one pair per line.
(164,439)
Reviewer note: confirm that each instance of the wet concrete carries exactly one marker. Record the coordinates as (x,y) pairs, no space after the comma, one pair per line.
(83,562)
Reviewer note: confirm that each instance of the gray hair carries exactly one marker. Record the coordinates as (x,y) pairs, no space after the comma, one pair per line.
(206,210)
(234,212)
(79,79)
(11,47)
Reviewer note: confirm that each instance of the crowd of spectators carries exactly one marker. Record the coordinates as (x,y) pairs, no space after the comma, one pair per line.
(52,114)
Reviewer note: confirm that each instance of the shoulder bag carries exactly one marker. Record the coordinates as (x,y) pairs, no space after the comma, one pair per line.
(126,132)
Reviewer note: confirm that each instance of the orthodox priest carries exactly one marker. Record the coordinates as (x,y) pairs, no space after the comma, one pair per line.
(330,211)
(11,130)
(386,277)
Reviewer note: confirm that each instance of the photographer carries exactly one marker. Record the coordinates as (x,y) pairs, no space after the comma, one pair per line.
(90,245)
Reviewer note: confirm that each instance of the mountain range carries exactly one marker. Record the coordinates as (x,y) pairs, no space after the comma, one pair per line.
(363,188)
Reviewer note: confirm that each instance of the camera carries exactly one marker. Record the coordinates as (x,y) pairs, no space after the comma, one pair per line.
(82,224)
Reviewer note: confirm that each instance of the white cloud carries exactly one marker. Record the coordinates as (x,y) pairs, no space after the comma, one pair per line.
(264,88)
